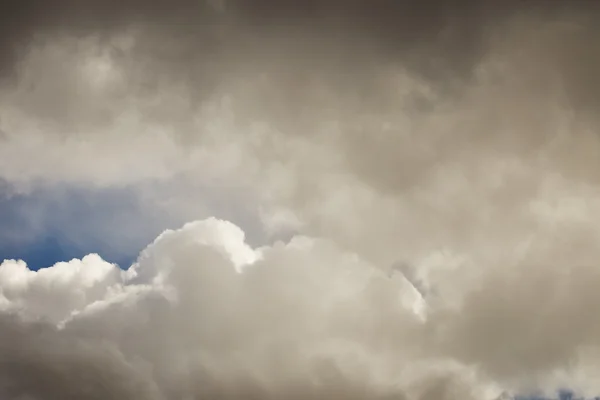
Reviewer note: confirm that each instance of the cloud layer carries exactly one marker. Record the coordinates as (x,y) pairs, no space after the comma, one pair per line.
(458,142)
(301,319)
(202,314)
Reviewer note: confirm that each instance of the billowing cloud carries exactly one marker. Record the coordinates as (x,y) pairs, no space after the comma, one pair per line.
(460,143)
(201,313)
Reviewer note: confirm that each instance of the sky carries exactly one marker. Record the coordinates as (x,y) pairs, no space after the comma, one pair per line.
(51,225)
(323,199)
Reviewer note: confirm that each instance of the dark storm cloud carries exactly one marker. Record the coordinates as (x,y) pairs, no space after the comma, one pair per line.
(294,66)
(449,32)
(202,44)
(439,133)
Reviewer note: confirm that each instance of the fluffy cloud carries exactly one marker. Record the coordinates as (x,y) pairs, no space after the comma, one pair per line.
(54,293)
(461,145)
(201,313)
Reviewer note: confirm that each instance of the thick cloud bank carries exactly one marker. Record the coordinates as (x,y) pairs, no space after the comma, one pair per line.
(203,315)
(438,163)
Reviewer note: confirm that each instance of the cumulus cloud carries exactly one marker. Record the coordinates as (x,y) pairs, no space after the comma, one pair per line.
(460,143)
(201,313)
(56,292)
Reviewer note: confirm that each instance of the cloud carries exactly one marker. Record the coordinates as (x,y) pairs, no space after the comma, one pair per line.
(202,313)
(128,91)
(300,319)
(339,105)
(54,293)
(460,142)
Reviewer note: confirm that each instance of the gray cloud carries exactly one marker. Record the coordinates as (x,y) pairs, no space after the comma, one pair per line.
(302,319)
(462,140)
(185,323)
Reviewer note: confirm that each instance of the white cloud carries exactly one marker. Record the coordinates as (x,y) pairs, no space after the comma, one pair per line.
(301,319)
(54,293)
(203,313)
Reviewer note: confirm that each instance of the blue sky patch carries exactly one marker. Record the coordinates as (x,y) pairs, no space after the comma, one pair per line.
(54,224)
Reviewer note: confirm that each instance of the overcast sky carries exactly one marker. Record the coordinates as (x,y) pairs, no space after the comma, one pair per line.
(299,199)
